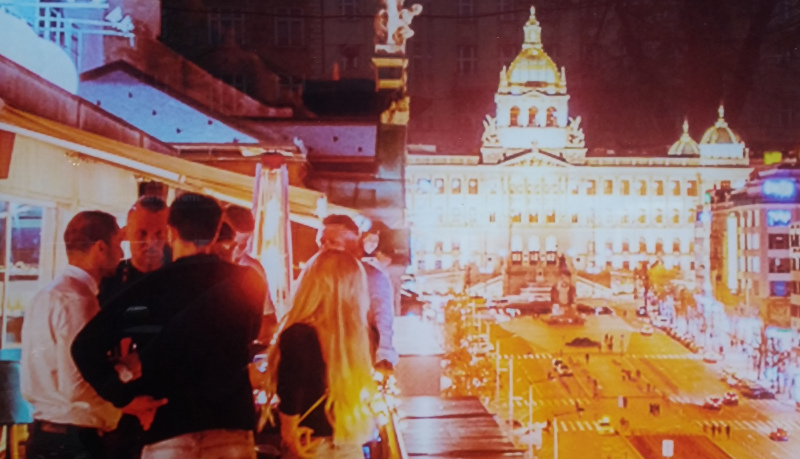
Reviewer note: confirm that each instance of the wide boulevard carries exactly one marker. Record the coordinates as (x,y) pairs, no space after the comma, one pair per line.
(661,372)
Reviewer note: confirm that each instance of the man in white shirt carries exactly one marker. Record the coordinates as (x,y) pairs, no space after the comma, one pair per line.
(69,416)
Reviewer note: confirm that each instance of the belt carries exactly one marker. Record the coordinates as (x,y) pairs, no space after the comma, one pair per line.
(63,429)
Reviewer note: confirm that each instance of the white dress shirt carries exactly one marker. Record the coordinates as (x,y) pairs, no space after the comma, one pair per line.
(50,380)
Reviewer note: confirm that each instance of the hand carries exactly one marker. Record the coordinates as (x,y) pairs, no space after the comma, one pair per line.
(385,367)
(144,407)
(128,367)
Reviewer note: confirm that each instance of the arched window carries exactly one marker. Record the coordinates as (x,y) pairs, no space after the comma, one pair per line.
(532,112)
(552,121)
(514,119)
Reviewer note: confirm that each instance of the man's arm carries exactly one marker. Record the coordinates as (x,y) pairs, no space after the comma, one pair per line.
(380,303)
(90,352)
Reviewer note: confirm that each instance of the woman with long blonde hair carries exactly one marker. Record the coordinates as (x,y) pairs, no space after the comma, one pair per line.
(320,367)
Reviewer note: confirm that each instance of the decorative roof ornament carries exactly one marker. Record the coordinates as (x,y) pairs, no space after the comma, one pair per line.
(720,132)
(685,146)
(393,26)
(490,137)
(533,31)
(503,80)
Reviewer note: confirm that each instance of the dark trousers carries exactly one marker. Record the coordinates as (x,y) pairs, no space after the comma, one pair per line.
(71,442)
(125,442)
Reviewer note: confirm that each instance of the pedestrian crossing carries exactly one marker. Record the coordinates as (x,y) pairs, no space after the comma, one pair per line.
(667,356)
(551,402)
(546,356)
(764,427)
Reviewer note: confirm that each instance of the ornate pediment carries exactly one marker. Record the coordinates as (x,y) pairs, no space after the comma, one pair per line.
(535,159)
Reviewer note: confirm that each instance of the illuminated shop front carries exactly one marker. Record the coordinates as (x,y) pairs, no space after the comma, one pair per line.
(534,192)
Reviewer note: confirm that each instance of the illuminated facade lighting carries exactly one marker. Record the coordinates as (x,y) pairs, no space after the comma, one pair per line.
(535,192)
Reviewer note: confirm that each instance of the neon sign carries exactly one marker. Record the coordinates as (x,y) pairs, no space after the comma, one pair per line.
(779,188)
(779,217)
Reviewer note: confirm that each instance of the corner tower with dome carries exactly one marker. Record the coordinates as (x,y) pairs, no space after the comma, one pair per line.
(534,192)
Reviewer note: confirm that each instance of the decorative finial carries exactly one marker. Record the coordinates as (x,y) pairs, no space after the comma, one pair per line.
(721,111)
(685,125)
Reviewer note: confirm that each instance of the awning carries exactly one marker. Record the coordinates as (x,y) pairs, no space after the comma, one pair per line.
(306,206)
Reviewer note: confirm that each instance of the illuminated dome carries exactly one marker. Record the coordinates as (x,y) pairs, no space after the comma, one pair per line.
(720,133)
(533,67)
(685,146)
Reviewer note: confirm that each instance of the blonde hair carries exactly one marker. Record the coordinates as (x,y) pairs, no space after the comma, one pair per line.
(333,298)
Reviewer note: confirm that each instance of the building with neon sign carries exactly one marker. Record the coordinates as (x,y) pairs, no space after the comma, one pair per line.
(535,192)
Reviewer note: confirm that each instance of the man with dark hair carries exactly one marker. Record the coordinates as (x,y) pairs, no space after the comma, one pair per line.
(200,314)
(69,416)
(244,225)
(340,232)
(146,232)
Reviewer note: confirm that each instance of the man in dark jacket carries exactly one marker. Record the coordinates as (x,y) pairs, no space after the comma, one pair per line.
(192,323)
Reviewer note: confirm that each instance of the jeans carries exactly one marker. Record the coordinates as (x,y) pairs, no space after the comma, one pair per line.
(327,450)
(77,443)
(208,444)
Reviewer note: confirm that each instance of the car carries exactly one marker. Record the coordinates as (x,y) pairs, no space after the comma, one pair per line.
(758,393)
(713,403)
(730,398)
(647,330)
(583,342)
(711,357)
(604,426)
(563,370)
(779,435)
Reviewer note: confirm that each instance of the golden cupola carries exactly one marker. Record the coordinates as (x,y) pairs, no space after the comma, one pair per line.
(720,132)
(533,68)
(685,146)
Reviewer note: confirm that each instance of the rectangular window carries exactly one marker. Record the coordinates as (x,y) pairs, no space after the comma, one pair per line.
(473,186)
(467,59)
(438,185)
(676,188)
(506,7)
(591,188)
(608,187)
(289,27)
(456,186)
(778,241)
(778,288)
(780,265)
(465,8)
(691,188)
(222,24)
(626,187)
(348,9)
(659,184)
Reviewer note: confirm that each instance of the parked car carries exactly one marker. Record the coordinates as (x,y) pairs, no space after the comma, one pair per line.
(779,435)
(713,403)
(758,393)
(604,426)
(730,398)
(583,342)
(647,330)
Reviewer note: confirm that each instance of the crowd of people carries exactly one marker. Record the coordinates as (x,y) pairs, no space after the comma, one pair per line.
(149,356)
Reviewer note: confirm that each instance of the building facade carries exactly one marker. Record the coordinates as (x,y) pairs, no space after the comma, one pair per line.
(534,192)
